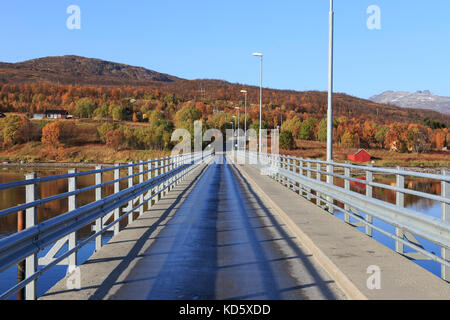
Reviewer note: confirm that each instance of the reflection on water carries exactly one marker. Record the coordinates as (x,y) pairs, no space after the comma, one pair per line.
(13,197)
(418,204)
(422,205)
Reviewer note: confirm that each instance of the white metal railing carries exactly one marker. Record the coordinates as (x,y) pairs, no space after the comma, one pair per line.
(305,176)
(160,176)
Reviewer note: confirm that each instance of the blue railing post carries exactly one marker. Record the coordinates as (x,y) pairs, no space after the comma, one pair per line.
(166,181)
(130,184)
(369,194)
(301,164)
(98,197)
(347,174)
(160,171)
(308,174)
(445,252)
(31,262)
(72,259)
(141,180)
(149,177)
(171,180)
(330,180)
(400,201)
(116,227)
(319,178)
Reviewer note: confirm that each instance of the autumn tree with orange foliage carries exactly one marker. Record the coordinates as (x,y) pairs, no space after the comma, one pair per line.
(51,134)
(55,133)
(440,139)
(115,139)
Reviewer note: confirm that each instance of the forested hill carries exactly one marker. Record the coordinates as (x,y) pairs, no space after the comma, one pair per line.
(300,103)
(57,82)
(79,70)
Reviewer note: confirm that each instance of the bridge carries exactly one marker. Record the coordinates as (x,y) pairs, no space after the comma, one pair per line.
(237,225)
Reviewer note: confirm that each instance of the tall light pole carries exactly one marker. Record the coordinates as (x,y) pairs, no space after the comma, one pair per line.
(238,127)
(260,55)
(245,124)
(232,136)
(330,87)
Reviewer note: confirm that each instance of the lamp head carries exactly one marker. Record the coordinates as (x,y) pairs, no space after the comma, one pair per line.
(257,54)
(243,91)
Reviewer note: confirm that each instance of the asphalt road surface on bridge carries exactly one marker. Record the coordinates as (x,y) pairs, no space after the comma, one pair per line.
(225,243)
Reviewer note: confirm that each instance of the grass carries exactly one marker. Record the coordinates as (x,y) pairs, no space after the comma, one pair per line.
(85,147)
(382,158)
(35,152)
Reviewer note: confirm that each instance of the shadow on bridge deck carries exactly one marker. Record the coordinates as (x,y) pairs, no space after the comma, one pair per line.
(212,237)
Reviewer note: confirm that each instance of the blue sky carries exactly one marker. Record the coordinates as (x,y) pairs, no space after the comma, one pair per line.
(215,39)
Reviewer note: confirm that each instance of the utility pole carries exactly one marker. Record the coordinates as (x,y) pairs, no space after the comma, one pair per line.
(330,168)
(245,104)
(260,55)
(330,87)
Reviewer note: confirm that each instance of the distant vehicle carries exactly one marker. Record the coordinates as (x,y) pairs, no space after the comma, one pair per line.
(2,115)
(38,116)
(69,117)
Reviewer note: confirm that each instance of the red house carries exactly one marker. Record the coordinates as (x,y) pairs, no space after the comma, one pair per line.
(56,114)
(360,156)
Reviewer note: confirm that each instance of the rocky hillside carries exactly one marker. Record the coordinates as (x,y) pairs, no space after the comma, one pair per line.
(418,100)
(79,70)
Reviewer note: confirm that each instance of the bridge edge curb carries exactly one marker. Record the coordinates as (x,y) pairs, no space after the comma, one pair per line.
(344,283)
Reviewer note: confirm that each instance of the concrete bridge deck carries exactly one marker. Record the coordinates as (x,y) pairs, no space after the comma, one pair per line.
(218,235)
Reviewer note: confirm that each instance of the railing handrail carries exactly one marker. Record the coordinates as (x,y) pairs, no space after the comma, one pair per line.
(296,173)
(432,222)
(22,183)
(379,185)
(404,172)
(426,195)
(28,242)
(53,226)
(60,196)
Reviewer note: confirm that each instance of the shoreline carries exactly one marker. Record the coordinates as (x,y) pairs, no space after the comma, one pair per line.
(434,170)
(54,165)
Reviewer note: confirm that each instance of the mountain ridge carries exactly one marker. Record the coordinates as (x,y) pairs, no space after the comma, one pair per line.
(72,69)
(417,100)
(80,71)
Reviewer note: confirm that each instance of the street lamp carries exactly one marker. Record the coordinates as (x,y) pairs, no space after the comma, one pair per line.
(232,136)
(330,104)
(260,55)
(238,127)
(245,125)
(330,87)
